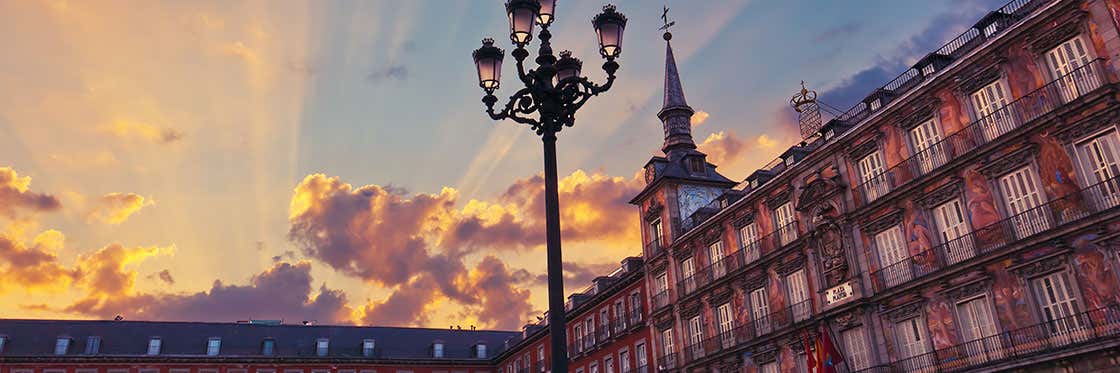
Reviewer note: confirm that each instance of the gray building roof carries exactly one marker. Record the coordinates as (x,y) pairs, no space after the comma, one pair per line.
(31,338)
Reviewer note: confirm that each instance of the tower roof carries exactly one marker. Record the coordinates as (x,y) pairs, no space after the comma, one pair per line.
(675,113)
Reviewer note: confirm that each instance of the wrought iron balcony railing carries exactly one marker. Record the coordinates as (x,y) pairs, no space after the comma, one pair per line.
(619,325)
(603,333)
(1023,110)
(661,300)
(654,248)
(668,361)
(741,334)
(1067,209)
(635,317)
(1060,333)
(642,369)
(739,259)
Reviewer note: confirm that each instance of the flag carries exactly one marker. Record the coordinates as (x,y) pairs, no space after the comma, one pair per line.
(810,359)
(829,355)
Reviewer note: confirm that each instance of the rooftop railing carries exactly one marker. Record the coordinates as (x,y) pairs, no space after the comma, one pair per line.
(1072,207)
(1023,110)
(1059,333)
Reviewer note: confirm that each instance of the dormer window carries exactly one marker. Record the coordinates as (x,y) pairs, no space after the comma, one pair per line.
(696,165)
(322,345)
(828,135)
(154,345)
(61,345)
(268,347)
(93,345)
(437,350)
(790,161)
(928,70)
(875,105)
(213,346)
(480,350)
(3,341)
(367,347)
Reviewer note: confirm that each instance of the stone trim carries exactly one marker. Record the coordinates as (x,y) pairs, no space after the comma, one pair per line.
(977,78)
(653,212)
(690,309)
(779,199)
(942,194)
(1045,265)
(924,110)
(967,290)
(849,320)
(756,282)
(683,252)
(1071,28)
(791,265)
(905,312)
(664,323)
(720,296)
(1010,162)
(1078,130)
(713,235)
(863,149)
(881,224)
(744,218)
(765,353)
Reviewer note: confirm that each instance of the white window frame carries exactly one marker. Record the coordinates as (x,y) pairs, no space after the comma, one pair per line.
(696,335)
(913,340)
(873,176)
(624,360)
(369,346)
(787,223)
(855,345)
(797,289)
(992,113)
(213,346)
(62,345)
(1022,196)
(725,322)
(928,147)
(1099,161)
(1064,61)
(688,273)
(655,231)
(640,358)
(608,364)
(322,347)
(667,342)
(760,310)
(952,224)
(1058,304)
(715,257)
(155,344)
(748,241)
(978,329)
(893,255)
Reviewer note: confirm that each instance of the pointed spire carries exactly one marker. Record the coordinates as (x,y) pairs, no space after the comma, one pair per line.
(675,113)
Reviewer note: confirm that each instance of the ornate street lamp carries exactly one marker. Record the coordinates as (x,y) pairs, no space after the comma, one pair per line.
(547,102)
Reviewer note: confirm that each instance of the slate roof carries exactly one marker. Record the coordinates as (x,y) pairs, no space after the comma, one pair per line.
(130,338)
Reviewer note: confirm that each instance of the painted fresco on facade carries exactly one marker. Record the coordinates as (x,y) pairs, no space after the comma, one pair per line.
(1099,284)
(942,326)
(1010,297)
(950,112)
(1024,75)
(709,317)
(894,152)
(1056,171)
(787,359)
(742,314)
(776,297)
(981,207)
(919,237)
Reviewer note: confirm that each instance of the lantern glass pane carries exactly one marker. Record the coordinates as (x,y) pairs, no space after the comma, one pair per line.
(610,38)
(544,17)
(521,25)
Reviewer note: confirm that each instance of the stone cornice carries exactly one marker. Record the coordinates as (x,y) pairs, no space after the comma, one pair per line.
(883,223)
(942,194)
(864,148)
(1041,266)
(1071,26)
(1080,129)
(1009,162)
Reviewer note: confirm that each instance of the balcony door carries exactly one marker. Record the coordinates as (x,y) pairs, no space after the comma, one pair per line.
(748,238)
(725,322)
(930,153)
(696,336)
(1021,196)
(787,223)
(893,257)
(798,289)
(1065,63)
(760,311)
(872,176)
(688,271)
(1059,308)
(715,257)
(982,340)
(1100,163)
(992,113)
(950,220)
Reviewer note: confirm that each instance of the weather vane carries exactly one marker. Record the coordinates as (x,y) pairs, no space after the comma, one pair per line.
(665,19)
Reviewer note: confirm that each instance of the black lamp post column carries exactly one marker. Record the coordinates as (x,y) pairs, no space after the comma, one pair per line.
(552,94)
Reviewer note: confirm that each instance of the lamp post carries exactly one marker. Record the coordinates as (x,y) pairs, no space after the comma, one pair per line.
(547,102)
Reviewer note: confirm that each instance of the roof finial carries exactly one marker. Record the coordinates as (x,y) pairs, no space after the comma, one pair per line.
(666,24)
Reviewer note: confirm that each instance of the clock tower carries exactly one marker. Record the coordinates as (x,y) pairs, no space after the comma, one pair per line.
(680,182)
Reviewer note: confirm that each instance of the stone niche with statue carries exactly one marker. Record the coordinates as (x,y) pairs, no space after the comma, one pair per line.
(821,200)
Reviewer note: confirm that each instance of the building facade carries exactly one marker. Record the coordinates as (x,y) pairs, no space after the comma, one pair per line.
(963,217)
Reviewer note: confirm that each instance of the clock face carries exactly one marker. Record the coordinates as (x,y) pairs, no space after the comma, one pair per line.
(650,173)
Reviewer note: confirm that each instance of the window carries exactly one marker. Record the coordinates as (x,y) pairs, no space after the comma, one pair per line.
(1020,192)
(154,346)
(619,315)
(662,283)
(61,345)
(93,345)
(748,238)
(949,217)
(977,325)
(725,322)
(771,367)
(322,346)
(437,349)
(992,115)
(579,370)
(593,367)
(928,70)
(798,288)
(624,361)
(688,270)
(715,257)
(760,311)
(892,257)
(655,232)
(875,105)
(873,179)
(696,335)
(579,337)
(1054,294)
(1065,63)
(927,145)
(540,357)
(268,347)
(635,307)
(213,346)
(790,161)
(480,350)
(640,355)
(604,321)
(667,342)
(787,223)
(3,341)
(142,370)
(856,347)
(912,337)
(589,328)
(608,364)
(368,346)
(1100,163)
(696,166)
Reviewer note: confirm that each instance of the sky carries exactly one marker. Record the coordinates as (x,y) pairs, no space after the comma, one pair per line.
(331,160)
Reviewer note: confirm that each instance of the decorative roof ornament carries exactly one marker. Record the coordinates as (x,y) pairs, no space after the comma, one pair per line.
(809,112)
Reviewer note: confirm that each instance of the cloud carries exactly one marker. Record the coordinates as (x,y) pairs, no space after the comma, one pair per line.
(164,275)
(576,275)
(33,267)
(699,118)
(392,72)
(723,146)
(838,32)
(15,194)
(242,52)
(765,141)
(139,130)
(115,208)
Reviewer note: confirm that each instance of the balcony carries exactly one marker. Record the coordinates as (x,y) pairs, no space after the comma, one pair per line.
(642,369)
(1059,334)
(604,333)
(588,342)
(661,300)
(654,248)
(635,317)
(668,362)
(619,325)
(575,348)
(1042,218)
(745,333)
(959,144)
